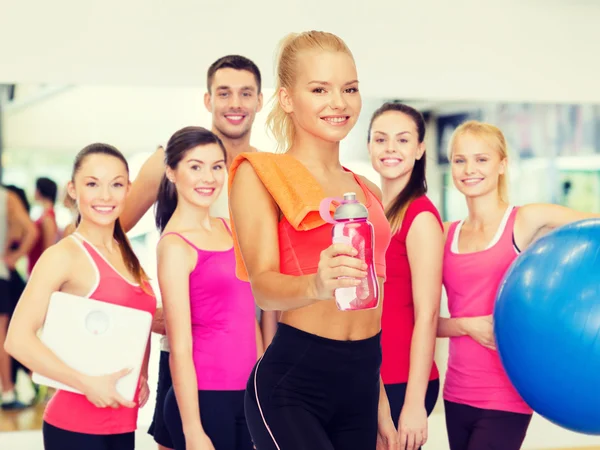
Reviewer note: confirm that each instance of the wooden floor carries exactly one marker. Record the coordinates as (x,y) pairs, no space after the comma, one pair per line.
(22,420)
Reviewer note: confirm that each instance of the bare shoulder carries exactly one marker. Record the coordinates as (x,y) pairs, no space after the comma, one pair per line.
(245,171)
(172,246)
(372,187)
(175,254)
(13,202)
(62,257)
(425,228)
(428,220)
(247,186)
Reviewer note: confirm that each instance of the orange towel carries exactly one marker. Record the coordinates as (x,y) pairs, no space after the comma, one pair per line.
(291,185)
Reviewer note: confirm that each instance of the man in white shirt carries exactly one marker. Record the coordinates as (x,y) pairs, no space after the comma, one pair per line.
(233,97)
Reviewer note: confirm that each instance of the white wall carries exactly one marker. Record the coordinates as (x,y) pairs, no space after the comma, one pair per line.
(538,50)
(132,118)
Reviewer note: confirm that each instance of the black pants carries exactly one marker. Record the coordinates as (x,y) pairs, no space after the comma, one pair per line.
(471,428)
(222,417)
(309,392)
(158,429)
(396,393)
(59,439)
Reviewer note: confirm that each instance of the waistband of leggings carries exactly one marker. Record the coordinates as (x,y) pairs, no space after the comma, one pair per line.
(370,343)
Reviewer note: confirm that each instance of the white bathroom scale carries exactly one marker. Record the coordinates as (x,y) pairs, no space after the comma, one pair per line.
(96,338)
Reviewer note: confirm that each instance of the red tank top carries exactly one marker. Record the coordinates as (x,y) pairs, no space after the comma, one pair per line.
(398,316)
(73,412)
(38,247)
(300,250)
(298,195)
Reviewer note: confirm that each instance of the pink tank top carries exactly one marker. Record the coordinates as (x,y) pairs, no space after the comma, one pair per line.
(223,321)
(475,376)
(73,412)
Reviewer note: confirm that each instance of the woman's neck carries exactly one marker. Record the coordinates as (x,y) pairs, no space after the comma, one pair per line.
(191,217)
(99,236)
(316,154)
(46,205)
(392,187)
(485,210)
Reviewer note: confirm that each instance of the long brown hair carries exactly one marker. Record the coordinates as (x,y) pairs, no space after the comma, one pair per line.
(131,261)
(417,183)
(180,143)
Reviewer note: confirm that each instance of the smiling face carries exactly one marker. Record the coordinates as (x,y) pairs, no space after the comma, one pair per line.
(476,166)
(324,101)
(100,187)
(233,101)
(200,175)
(394,145)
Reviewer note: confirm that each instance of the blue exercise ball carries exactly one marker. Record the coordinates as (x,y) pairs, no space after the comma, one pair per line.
(547,326)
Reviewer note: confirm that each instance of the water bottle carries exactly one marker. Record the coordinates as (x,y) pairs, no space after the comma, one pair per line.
(351,226)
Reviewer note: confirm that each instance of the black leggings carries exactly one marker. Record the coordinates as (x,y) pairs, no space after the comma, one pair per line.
(222,417)
(158,429)
(309,392)
(396,393)
(471,428)
(59,439)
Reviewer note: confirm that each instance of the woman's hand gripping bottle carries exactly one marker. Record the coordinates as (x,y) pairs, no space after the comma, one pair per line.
(351,226)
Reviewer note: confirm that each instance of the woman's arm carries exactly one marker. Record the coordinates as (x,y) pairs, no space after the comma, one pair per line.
(255,216)
(158,323)
(146,362)
(144,389)
(388,437)
(425,248)
(50,273)
(451,327)
(144,190)
(480,329)
(539,218)
(173,279)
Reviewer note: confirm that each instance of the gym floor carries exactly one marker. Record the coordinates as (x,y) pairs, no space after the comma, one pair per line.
(22,430)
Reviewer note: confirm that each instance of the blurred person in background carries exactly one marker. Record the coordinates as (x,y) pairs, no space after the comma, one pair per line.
(45,195)
(17,236)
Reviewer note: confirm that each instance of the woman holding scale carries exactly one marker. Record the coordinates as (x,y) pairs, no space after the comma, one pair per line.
(96,262)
